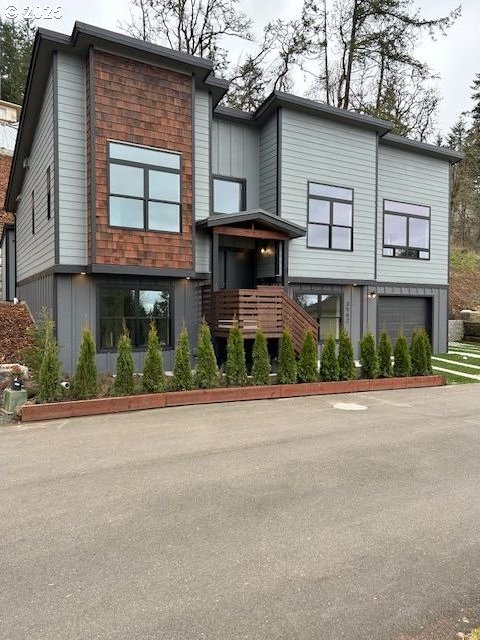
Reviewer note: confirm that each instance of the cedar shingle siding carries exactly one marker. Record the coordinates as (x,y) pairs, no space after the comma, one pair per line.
(149,106)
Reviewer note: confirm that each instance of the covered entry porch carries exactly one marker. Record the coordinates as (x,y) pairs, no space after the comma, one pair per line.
(249,270)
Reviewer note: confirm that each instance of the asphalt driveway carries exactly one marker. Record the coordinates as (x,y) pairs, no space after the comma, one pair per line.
(297,519)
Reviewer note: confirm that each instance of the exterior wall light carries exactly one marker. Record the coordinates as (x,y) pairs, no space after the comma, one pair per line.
(372,295)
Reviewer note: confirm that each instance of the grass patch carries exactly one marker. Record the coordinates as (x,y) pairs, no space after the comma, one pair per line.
(451,378)
(455,357)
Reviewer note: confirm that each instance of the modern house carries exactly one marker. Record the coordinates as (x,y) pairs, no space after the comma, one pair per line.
(138,198)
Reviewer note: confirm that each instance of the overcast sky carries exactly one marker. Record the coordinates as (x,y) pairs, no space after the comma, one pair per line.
(455,57)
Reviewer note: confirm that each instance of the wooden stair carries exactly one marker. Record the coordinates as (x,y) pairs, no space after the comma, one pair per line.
(268,308)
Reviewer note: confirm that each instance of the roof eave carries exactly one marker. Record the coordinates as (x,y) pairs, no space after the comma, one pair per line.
(442,153)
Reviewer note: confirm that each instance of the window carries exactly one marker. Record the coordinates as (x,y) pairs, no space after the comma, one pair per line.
(406,230)
(144,188)
(136,308)
(330,217)
(49,195)
(325,310)
(33,212)
(228,195)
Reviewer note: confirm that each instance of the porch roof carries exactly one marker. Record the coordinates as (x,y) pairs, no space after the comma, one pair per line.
(252,219)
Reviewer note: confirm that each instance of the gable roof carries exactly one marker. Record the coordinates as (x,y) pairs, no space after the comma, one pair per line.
(265,218)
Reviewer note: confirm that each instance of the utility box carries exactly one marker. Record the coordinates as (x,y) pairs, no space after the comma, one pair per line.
(13,399)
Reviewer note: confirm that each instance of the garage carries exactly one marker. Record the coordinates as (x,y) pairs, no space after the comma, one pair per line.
(397,314)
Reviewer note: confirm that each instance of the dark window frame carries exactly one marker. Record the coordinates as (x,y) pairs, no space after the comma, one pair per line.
(407,248)
(319,293)
(330,225)
(146,199)
(49,192)
(105,286)
(243,193)
(33,212)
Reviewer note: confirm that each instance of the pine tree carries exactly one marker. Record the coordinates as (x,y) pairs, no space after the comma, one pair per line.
(346,361)
(418,354)
(385,356)
(16,40)
(182,372)
(153,379)
(308,361)
(428,352)
(287,364)
(329,369)
(368,357)
(32,356)
(235,368)
(124,383)
(206,372)
(49,389)
(85,381)
(261,360)
(401,356)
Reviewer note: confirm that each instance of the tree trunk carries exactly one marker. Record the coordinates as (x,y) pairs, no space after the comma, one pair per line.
(327,72)
(351,51)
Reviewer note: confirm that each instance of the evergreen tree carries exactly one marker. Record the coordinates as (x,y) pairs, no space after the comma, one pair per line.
(153,379)
(32,356)
(247,87)
(428,352)
(16,40)
(418,354)
(368,357)
(329,369)
(401,355)
(206,372)
(124,382)
(308,361)
(49,389)
(287,364)
(182,372)
(346,361)
(235,368)
(85,381)
(385,356)
(261,360)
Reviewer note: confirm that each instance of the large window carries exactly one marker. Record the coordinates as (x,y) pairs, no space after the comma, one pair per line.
(136,309)
(406,230)
(144,188)
(330,217)
(325,310)
(228,195)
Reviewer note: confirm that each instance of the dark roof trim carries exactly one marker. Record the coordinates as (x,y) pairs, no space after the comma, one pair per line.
(84,36)
(443,153)
(256,215)
(281,99)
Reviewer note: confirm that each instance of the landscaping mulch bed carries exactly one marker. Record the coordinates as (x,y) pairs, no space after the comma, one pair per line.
(15,319)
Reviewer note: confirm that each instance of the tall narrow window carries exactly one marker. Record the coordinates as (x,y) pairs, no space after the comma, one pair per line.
(33,212)
(144,188)
(228,195)
(330,217)
(49,195)
(406,230)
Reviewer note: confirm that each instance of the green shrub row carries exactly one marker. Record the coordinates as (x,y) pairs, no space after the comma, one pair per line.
(336,363)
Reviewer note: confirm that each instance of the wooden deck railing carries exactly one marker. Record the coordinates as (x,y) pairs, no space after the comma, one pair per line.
(267,308)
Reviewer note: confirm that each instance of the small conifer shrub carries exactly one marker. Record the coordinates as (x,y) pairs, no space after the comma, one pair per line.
(329,369)
(182,372)
(385,356)
(308,360)
(124,384)
(85,381)
(49,389)
(368,357)
(401,355)
(206,372)
(287,364)
(261,360)
(346,361)
(153,379)
(235,368)
(419,354)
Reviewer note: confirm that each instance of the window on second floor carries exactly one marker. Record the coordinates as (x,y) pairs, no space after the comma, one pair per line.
(144,190)
(330,217)
(228,195)
(49,194)
(406,230)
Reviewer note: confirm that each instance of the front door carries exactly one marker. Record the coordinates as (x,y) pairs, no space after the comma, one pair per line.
(237,268)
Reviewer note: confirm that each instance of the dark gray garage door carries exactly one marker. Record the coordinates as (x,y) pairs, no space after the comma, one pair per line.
(398,314)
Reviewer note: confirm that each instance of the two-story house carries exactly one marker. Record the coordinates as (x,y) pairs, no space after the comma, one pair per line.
(138,198)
